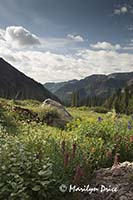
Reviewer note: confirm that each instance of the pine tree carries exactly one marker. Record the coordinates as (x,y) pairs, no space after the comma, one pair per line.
(75,99)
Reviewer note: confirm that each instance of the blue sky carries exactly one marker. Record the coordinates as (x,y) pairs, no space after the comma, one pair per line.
(57,40)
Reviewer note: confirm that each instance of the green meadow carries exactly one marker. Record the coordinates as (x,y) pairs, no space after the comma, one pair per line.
(35,159)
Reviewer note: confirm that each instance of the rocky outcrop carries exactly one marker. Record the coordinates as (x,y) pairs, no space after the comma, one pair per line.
(56,115)
(119,179)
(64,115)
(26,114)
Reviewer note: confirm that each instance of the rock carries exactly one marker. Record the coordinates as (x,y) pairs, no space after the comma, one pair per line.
(63,115)
(51,102)
(119,176)
(116,171)
(123,197)
(26,113)
(57,117)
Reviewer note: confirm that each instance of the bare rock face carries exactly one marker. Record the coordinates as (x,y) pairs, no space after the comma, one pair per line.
(63,115)
(119,177)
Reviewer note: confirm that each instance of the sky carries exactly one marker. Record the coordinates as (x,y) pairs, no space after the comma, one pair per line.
(59,40)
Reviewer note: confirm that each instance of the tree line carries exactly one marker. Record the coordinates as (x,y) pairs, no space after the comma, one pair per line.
(121,101)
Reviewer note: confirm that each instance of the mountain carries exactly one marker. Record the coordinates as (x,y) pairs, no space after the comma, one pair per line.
(16,85)
(53,87)
(122,101)
(94,89)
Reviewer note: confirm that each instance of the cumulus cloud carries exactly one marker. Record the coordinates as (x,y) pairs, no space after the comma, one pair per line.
(49,65)
(121,10)
(107,61)
(77,38)
(129,46)
(2,34)
(20,37)
(105,46)
(124,9)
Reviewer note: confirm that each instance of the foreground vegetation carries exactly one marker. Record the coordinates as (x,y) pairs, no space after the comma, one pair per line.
(35,159)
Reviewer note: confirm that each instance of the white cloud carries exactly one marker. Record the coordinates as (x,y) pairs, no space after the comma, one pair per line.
(107,61)
(105,46)
(117,12)
(48,66)
(45,65)
(121,10)
(2,34)
(77,38)
(124,9)
(20,37)
(129,46)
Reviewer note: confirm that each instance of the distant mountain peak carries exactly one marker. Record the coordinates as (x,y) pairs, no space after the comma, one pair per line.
(99,86)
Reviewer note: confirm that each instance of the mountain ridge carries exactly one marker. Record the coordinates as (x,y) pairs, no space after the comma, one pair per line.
(97,85)
(16,85)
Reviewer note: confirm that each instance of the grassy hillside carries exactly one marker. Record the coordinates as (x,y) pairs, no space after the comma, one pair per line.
(35,159)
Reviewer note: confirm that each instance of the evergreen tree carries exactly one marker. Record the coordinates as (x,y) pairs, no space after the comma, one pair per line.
(75,99)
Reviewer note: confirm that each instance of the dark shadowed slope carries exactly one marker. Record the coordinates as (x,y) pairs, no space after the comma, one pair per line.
(53,87)
(122,101)
(16,85)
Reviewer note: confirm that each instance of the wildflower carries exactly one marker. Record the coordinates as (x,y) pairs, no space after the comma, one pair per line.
(74,150)
(129,122)
(63,146)
(118,139)
(66,161)
(109,154)
(126,146)
(78,174)
(100,119)
(117,159)
(131,138)
(92,150)
(129,127)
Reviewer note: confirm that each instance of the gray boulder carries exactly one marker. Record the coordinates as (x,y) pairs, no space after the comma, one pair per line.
(63,115)
(120,176)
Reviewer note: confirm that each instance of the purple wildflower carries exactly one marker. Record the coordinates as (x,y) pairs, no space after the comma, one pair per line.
(100,119)
(129,127)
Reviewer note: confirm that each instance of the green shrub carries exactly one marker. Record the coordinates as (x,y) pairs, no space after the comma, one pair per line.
(100,109)
(23,175)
